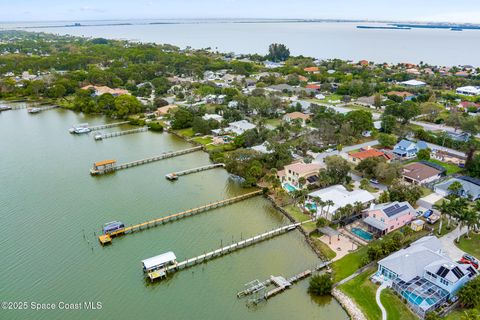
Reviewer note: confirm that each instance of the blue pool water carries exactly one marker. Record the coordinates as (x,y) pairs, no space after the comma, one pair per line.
(417,300)
(311,206)
(289,187)
(367,236)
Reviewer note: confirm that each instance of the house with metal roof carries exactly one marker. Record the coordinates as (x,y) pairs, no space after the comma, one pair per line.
(424,275)
(470,187)
(386,217)
(340,197)
(421,172)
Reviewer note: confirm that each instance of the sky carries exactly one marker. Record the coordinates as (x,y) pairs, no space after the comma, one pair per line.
(398,10)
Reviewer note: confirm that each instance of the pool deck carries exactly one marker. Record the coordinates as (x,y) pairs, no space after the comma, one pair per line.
(340,244)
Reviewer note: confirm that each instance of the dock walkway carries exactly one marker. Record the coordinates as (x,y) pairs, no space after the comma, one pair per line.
(107,238)
(99,168)
(175,175)
(102,136)
(107,125)
(221,251)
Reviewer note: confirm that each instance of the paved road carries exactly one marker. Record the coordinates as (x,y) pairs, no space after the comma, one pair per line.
(449,246)
(437,127)
(379,303)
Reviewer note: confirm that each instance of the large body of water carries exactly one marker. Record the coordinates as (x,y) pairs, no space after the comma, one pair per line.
(323,40)
(48,202)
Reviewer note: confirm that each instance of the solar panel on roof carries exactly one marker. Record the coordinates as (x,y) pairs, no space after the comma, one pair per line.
(391,211)
(457,272)
(442,272)
(471,270)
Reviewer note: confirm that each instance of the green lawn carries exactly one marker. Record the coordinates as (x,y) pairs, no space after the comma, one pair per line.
(396,309)
(444,230)
(273,122)
(470,245)
(347,265)
(221,147)
(188,132)
(457,314)
(203,140)
(451,168)
(363,291)
(324,248)
(299,216)
(426,191)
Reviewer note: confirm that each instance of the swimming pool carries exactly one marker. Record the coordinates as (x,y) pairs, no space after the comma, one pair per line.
(289,187)
(367,236)
(417,300)
(311,206)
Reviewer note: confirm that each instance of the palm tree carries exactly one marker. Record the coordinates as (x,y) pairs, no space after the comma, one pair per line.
(357,207)
(444,209)
(455,189)
(320,204)
(471,219)
(330,203)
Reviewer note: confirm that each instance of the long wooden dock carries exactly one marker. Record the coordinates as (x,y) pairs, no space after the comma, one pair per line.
(174,175)
(221,251)
(107,125)
(99,170)
(107,238)
(102,136)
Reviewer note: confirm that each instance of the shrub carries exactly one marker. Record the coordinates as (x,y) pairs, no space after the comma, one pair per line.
(155,126)
(320,285)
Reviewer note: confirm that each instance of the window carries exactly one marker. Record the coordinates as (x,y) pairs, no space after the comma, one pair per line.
(445,282)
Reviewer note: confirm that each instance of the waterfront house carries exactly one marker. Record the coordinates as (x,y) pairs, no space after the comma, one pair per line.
(100,90)
(387,217)
(408,149)
(212,116)
(291,175)
(302,117)
(424,275)
(237,127)
(165,110)
(422,172)
(470,187)
(469,90)
(357,157)
(340,197)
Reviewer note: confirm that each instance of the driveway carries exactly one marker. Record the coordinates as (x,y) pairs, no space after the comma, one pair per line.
(428,201)
(449,246)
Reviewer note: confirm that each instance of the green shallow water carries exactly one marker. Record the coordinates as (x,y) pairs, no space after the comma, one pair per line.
(51,209)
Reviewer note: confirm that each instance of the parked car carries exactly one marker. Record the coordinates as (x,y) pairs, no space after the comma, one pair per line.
(468,259)
(374,181)
(419,213)
(428,213)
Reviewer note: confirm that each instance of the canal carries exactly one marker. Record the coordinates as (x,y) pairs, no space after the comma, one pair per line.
(51,209)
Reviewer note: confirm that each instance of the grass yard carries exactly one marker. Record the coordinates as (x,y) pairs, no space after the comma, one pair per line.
(396,309)
(470,245)
(188,132)
(451,168)
(457,314)
(346,266)
(222,147)
(425,191)
(299,216)
(203,140)
(363,291)
(273,122)
(324,248)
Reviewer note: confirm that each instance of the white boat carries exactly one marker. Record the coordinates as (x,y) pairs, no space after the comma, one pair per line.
(79,128)
(82,130)
(33,110)
(5,108)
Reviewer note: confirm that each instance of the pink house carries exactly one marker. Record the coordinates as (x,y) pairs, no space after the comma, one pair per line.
(387,217)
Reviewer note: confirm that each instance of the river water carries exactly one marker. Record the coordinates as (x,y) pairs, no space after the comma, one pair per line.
(50,208)
(325,40)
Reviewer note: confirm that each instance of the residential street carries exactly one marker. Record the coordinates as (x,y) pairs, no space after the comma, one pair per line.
(319,157)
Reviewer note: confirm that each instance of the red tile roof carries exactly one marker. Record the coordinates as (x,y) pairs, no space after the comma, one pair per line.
(311,69)
(313,86)
(370,153)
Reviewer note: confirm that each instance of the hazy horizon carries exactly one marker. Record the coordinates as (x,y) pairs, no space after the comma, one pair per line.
(462,11)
